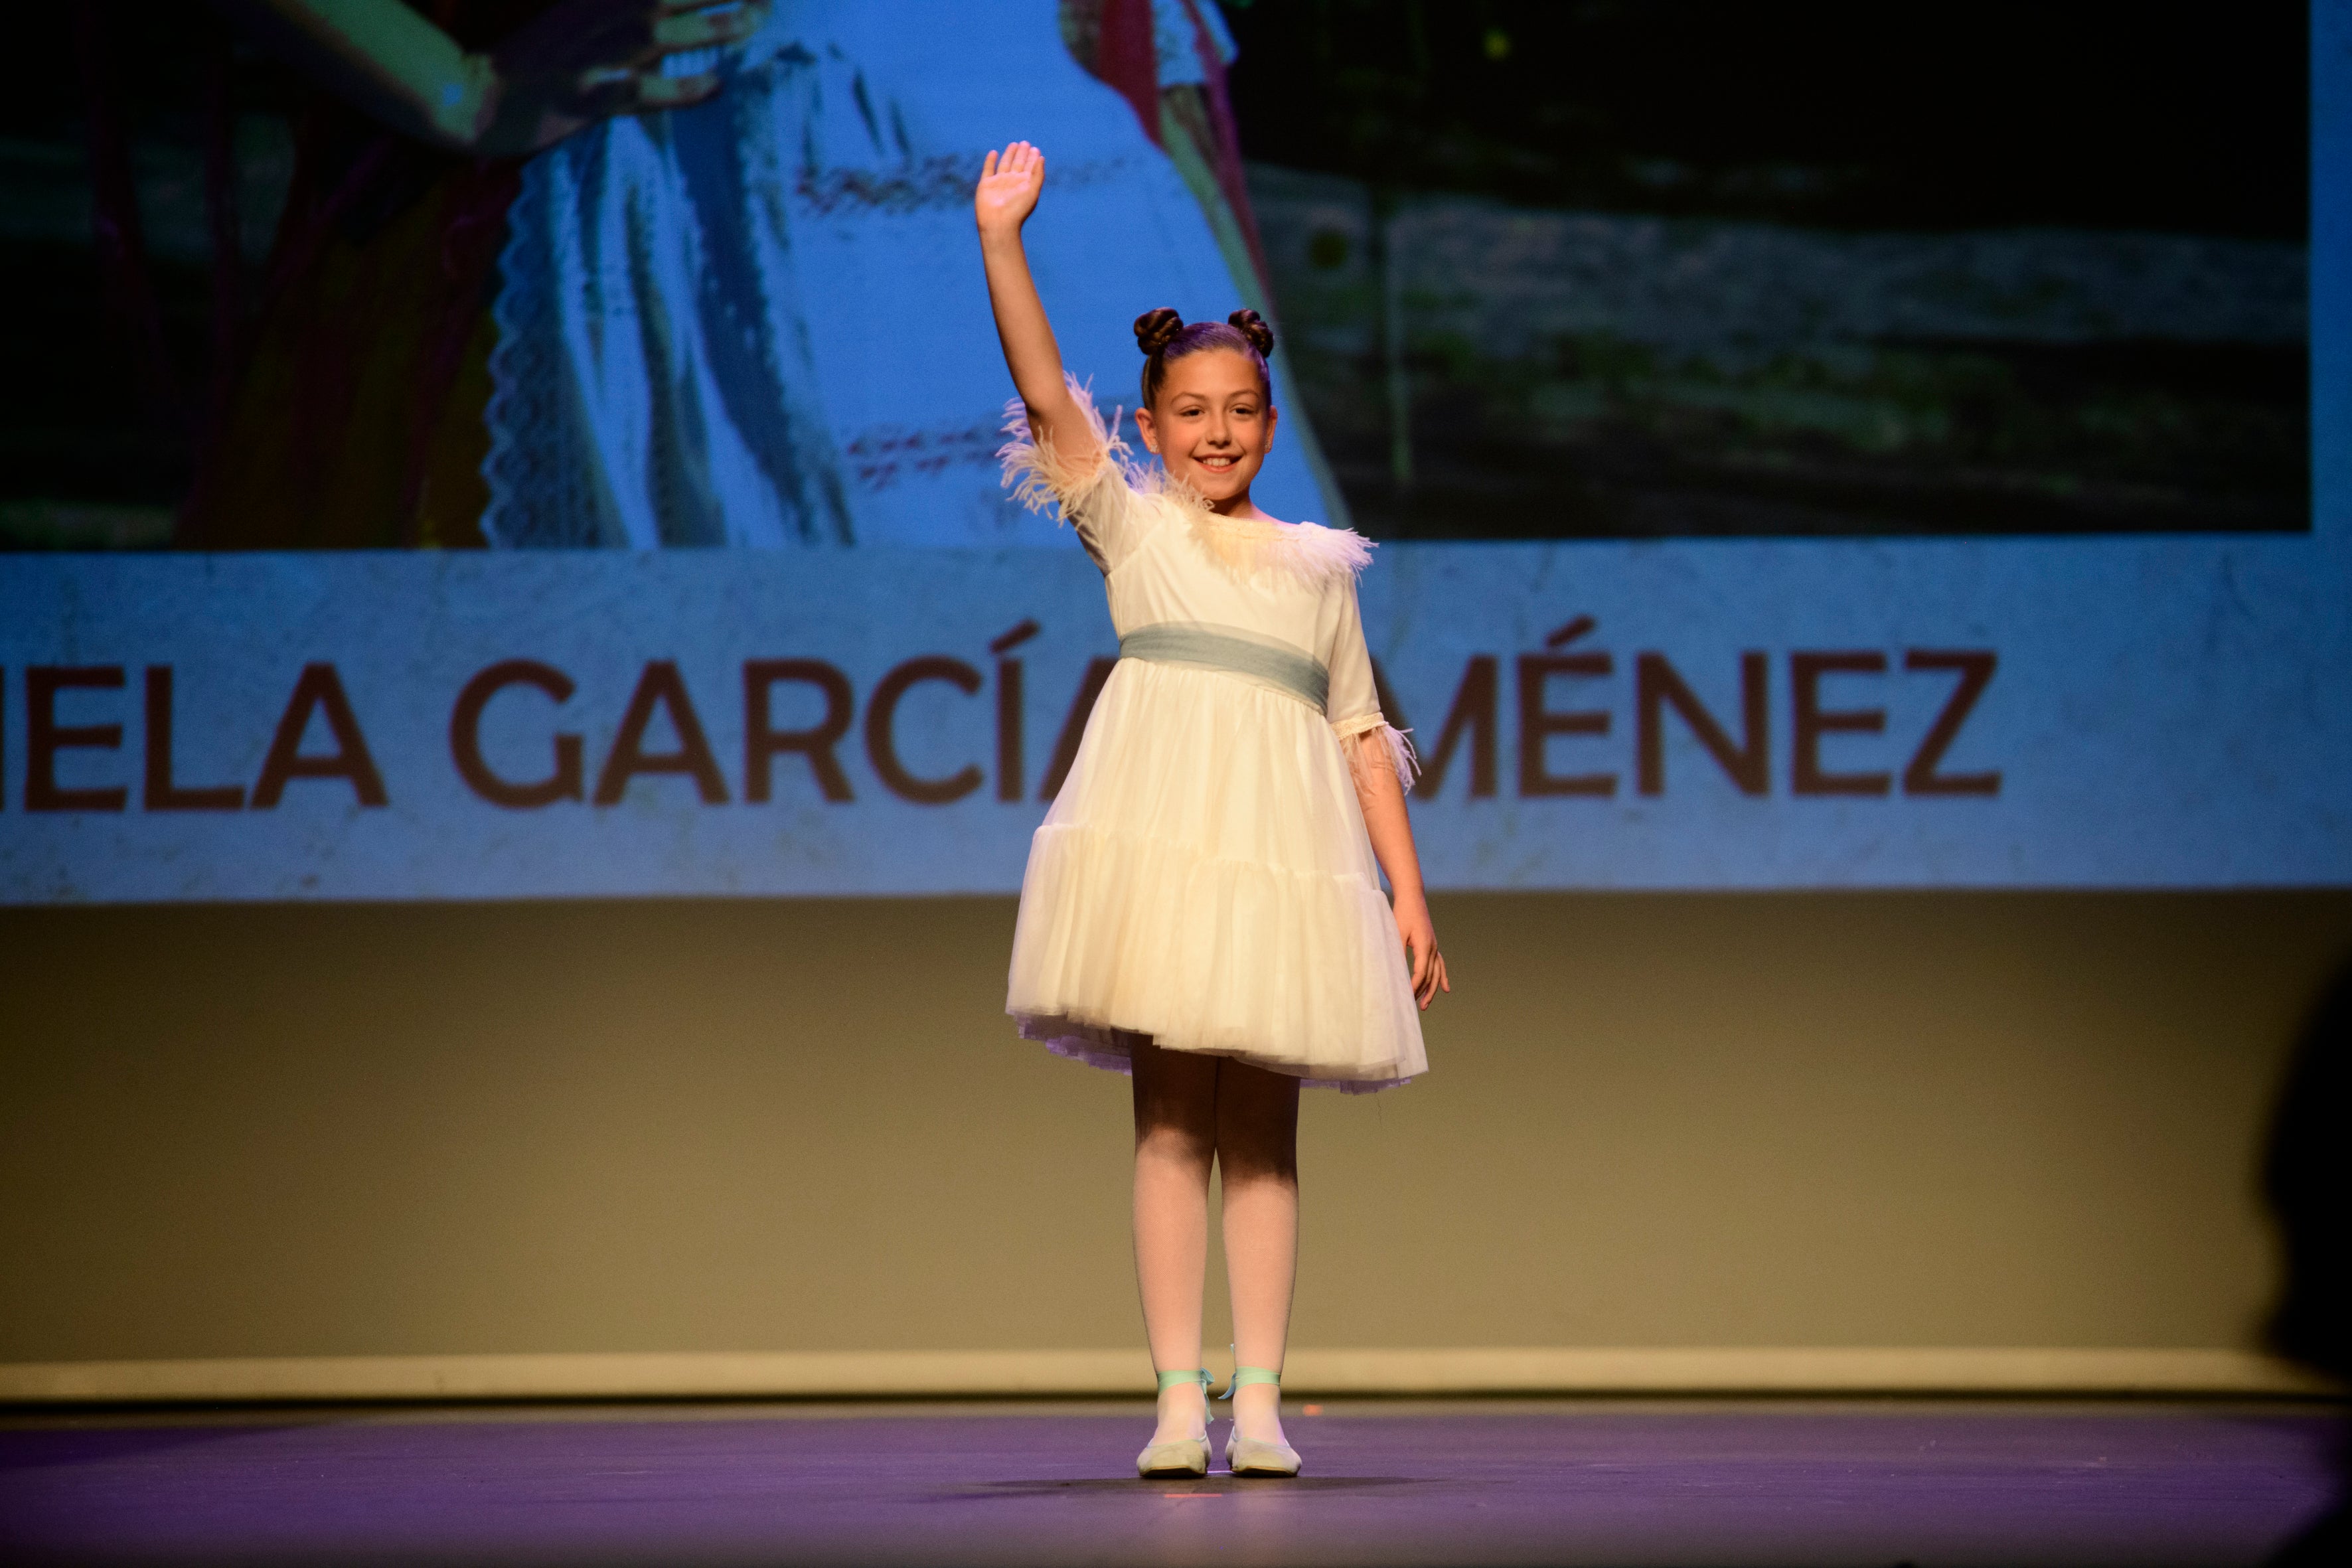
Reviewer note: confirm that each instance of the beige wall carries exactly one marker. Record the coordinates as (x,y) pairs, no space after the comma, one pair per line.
(1801,1120)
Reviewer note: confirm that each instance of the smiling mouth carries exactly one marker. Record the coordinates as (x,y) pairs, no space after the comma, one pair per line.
(1216,465)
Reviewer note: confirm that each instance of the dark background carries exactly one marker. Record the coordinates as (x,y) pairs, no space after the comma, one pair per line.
(2100,122)
(1927,114)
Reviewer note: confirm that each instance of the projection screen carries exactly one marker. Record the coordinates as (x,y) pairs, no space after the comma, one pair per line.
(728,597)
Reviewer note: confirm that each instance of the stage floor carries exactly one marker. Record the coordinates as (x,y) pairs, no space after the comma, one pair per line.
(1493,1483)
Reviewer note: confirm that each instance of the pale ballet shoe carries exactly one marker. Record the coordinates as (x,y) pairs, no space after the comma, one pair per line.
(1248,1456)
(1185,1457)
(1179,1455)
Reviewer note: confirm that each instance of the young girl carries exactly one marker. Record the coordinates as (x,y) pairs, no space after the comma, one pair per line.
(1201,906)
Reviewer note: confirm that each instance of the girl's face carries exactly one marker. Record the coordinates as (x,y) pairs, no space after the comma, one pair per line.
(1210,425)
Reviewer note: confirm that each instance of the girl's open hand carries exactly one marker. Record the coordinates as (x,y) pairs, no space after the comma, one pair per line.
(1010,182)
(1428,964)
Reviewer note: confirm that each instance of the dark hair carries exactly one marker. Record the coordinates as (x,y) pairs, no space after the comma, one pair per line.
(1162,336)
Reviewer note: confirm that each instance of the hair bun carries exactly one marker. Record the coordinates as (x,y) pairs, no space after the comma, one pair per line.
(1252,325)
(1155,329)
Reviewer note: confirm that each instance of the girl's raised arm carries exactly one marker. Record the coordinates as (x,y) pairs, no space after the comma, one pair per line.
(1009,185)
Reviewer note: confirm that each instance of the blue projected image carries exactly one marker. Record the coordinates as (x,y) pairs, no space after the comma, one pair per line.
(1539,272)
(442,473)
(757,321)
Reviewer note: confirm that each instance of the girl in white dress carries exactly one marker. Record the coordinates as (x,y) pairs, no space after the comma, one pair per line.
(1203,906)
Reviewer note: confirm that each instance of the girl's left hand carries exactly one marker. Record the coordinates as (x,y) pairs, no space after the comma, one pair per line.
(1428,964)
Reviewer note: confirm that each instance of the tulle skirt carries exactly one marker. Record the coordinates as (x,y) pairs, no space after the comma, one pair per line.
(1203,883)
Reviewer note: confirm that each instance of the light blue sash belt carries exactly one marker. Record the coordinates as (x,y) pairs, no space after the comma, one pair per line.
(1230,649)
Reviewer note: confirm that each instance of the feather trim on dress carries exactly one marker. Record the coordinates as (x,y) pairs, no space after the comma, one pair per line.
(1309,552)
(1373,744)
(1041,476)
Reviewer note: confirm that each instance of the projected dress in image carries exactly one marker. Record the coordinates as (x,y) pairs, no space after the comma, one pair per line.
(756,322)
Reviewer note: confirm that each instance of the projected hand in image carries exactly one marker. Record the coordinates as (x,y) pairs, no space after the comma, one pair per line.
(577,62)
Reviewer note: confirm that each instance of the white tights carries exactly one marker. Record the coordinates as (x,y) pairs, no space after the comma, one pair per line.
(1192,1111)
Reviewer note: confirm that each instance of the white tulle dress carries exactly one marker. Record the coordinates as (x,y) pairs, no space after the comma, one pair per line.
(1203,880)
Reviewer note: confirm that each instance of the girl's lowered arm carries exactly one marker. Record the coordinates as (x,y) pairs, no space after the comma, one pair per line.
(1009,183)
(1381,795)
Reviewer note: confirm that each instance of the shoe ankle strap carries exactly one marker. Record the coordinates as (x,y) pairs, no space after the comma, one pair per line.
(1168,1379)
(1245,1375)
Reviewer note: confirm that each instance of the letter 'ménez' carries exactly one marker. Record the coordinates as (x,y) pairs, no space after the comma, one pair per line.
(1657,685)
(1810,721)
(1539,724)
(1975,667)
